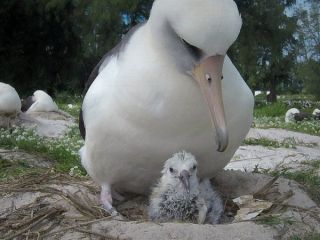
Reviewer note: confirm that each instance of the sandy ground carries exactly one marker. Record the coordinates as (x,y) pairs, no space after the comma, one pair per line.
(49,205)
(249,158)
(56,206)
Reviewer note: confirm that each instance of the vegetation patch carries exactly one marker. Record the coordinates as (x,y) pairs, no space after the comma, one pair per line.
(271,110)
(271,115)
(274,220)
(69,103)
(310,236)
(309,127)
(305,103)
(9,169)
(63,151)
(266,142)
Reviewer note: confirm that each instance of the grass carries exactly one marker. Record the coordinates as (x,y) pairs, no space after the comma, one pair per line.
(309,236)
(271,115)
(10,169)
(274,220)
(62,151)
(70,104)
(271,110)
(266,142)
(309,127)
(305,103)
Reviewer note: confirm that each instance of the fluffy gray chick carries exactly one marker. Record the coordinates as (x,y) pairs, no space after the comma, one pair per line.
(180,197)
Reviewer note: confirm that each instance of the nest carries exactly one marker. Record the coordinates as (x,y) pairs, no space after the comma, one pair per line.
(46,205)
(56,203)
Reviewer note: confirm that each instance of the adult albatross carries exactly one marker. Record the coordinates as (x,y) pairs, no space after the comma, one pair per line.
(40,102)
(167,86)
(9,104)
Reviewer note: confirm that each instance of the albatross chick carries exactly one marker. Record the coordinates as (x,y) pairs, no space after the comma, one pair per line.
(179,196)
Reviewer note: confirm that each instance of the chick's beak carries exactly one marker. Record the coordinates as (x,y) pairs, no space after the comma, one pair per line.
(209,75)
(185,180)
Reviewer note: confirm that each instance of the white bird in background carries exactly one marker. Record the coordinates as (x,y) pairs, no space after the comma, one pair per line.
(180,197)
(316,114)
(294,115)
(290,114)
(40,102)
(10,104)
(167,86)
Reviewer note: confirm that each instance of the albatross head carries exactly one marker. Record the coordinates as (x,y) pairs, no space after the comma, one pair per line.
(180,172)
(207,28)
(39,94)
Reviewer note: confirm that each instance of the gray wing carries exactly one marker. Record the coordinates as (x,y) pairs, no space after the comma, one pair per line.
(213,201)
(116,51)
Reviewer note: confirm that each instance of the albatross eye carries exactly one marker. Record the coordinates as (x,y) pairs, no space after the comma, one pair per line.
(194,167)
(171,170)
(208,77)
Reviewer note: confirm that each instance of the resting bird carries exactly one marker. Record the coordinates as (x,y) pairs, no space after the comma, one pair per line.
(179,195)
(293,114)
(316,114)
(289,117)
(167,86)
(41,102)
(9,104)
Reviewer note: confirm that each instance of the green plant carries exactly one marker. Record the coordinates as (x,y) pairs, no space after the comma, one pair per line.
(63,151)
(309,236)
(10,169)
(70,104)
(273,220)
(286,143)
(271,110)
(310,127)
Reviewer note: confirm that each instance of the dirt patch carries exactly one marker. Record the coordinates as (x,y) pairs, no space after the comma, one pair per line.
(13,156)
(49,205)
(56,206)
(250,158)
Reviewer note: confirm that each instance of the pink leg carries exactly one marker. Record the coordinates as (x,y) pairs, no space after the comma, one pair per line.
(106,200)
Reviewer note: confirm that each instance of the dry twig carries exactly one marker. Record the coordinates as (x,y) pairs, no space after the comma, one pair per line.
(50,213)
(264,190)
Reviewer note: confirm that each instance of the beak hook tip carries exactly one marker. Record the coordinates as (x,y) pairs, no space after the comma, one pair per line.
(222,140)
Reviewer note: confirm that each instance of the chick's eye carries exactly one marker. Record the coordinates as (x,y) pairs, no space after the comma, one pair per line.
(171,170)
(194,167)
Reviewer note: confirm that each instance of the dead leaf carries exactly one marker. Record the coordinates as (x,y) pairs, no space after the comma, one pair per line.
(250,207)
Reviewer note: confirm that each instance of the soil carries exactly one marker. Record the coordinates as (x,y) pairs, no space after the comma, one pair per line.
(50,205)
(250,158)
(56,206)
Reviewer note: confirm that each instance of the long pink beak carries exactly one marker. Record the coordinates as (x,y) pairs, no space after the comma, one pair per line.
(209,75)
